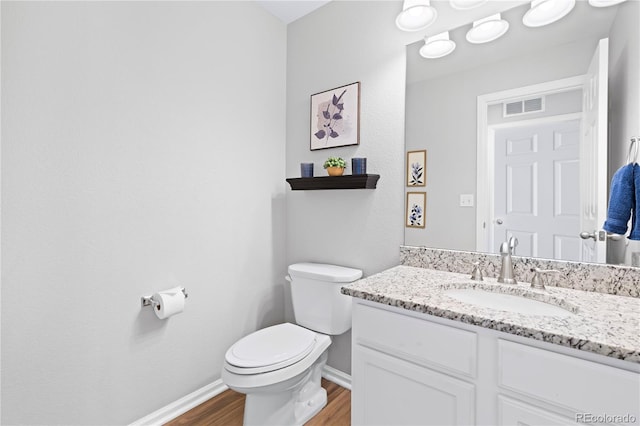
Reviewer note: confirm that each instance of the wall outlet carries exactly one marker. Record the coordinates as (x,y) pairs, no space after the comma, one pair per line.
(466,200)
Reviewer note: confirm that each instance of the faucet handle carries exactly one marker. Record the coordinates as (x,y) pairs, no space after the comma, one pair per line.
(537,281)
(476,274)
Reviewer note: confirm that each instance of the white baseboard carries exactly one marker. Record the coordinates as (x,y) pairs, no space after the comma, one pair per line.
(186,403)
(181,406)
(336,376)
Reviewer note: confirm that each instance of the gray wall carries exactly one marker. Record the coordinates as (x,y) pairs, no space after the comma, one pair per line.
(441,118)
(139,152)
(341,43)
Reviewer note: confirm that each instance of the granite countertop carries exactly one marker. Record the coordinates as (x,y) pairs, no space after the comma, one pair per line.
(601,323)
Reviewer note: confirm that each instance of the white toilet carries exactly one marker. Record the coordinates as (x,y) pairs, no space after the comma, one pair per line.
(279,367)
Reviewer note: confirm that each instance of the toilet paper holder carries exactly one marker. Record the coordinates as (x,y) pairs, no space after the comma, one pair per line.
(149,301)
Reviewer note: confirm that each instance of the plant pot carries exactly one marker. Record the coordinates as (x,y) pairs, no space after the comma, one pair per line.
(335,171)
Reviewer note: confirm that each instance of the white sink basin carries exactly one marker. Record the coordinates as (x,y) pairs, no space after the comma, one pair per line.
(506,302)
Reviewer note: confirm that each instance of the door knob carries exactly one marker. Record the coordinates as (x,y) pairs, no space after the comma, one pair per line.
(587,235)
(499,221)
(602,236)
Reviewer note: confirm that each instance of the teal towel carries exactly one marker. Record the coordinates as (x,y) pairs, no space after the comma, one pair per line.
(622,200)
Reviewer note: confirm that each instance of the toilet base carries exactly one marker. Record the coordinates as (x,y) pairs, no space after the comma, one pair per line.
(307,409)
(294,402)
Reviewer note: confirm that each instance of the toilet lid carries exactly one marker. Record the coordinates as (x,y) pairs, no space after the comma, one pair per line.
(272,348)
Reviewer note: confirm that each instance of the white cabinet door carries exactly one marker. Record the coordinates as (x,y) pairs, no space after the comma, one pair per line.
(390,391)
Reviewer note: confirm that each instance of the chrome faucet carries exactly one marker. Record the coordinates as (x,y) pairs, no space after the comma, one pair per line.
(507,248)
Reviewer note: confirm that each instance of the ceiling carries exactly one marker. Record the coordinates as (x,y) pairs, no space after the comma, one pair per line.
(290,10)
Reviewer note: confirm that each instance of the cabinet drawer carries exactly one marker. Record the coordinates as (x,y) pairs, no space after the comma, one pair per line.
(512,412)
(571,383)
(421,341)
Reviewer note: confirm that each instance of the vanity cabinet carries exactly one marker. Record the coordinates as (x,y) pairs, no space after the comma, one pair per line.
(416,369)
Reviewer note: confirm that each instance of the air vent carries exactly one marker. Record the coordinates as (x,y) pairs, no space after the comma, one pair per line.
(513,108)
(524,106)
(533,105)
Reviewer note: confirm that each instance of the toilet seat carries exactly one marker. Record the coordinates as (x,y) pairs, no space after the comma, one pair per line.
(252,383)
(270,349)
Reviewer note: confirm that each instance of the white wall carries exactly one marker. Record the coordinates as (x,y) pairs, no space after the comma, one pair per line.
(341,43)
(142,147)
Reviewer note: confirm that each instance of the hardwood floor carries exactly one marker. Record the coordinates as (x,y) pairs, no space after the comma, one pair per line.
(227,408)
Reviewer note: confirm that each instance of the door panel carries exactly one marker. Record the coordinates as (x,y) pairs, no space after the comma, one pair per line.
(567,198)
(537,188)
(522,191)
(567,247)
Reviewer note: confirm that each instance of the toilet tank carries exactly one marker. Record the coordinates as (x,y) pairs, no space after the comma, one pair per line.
(317,301)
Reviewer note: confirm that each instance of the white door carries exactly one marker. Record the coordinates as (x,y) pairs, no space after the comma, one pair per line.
(593,157)
(537,189)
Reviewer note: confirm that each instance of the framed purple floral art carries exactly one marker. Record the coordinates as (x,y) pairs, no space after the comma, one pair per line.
(335,117)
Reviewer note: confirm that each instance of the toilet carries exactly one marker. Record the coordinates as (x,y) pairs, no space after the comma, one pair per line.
(279,367)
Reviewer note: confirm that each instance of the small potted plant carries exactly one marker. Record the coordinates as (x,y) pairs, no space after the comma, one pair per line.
(335,166)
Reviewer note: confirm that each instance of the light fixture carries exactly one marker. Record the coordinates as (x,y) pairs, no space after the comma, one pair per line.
(604,3)
(487,29)
(416,15)
(544,12)
(437,46)
(466,4)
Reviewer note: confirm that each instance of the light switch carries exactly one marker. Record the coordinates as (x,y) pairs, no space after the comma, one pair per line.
(466,200)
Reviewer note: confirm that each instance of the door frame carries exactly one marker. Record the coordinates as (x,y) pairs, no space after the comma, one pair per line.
(485,147)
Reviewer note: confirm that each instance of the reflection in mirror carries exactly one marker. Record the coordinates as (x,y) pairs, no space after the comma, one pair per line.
(511,150)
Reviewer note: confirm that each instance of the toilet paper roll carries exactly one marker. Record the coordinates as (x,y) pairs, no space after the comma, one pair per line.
(168,302)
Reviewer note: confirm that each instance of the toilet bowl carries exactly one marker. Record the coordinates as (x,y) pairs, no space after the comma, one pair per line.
(279,368)
(289,379)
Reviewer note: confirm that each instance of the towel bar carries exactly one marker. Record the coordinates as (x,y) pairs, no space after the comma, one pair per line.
(633,150)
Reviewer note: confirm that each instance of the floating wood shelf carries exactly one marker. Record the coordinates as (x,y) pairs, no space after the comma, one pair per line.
(334,182)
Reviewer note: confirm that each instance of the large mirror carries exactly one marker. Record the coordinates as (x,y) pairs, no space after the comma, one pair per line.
(509,132)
